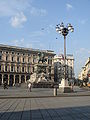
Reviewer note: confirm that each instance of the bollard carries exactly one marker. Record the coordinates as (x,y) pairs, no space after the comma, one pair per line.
(55,91)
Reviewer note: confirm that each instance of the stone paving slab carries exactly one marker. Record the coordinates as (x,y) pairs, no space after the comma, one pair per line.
(60,108)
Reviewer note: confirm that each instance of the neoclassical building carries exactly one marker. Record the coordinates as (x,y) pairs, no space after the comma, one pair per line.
(17,63)
(59,69)
(85,72)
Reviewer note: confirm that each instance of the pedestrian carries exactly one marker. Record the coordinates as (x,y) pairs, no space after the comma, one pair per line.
(5,85)
(29,86)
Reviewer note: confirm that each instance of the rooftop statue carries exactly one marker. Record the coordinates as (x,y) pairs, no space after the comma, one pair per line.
(42,58)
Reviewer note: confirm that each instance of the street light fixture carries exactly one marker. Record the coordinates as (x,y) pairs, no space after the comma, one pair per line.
(64,30)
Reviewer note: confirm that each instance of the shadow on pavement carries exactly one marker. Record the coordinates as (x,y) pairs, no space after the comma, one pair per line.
(69,113)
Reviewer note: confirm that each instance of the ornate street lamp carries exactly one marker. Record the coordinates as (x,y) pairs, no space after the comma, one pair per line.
(64,30)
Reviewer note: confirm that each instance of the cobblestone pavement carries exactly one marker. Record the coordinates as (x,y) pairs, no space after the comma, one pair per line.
(56,108)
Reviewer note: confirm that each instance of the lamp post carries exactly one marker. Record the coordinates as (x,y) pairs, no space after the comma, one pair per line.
(64,30)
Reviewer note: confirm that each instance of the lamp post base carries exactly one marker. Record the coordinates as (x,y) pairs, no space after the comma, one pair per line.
(64,87)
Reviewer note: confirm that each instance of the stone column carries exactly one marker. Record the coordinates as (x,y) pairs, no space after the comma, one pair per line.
(8,79)
(26,69)
(21,58)
(2,78)
(21,68)
(10,67)
(14,81)
(15,68)
(26,58)
(4,56)
(4,67)
(10,57)
(1,67)
(19,78)
(25,79)
(15,58)
(47,61)
(31,59)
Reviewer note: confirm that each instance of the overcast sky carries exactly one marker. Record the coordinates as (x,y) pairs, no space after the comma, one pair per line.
(31,23)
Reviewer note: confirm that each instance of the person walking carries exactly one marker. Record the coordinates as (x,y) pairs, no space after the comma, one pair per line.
(29,86)
(72,85)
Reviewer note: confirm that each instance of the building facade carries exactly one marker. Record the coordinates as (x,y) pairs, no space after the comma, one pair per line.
(17,63)
(85,72)
(59,67)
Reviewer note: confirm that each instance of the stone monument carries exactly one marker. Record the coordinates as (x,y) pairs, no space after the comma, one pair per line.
(41,77)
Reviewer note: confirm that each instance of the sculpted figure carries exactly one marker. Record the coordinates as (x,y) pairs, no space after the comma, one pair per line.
(42,58)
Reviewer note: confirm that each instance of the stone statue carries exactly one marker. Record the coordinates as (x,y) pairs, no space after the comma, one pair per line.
(42,58)
(40,75)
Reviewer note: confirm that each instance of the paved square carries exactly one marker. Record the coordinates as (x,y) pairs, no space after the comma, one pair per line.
(56,108)
(71,106)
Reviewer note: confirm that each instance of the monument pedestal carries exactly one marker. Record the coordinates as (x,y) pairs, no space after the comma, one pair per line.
(64,87)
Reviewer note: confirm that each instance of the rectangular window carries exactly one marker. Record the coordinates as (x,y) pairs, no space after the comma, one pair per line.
(49,69)
(23,60)
(17,68)
(0,55)
(12,59)
(33,69)
(0,67)
(17,59)
(12,68)
(5,68)
(22,69)
(6,58)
